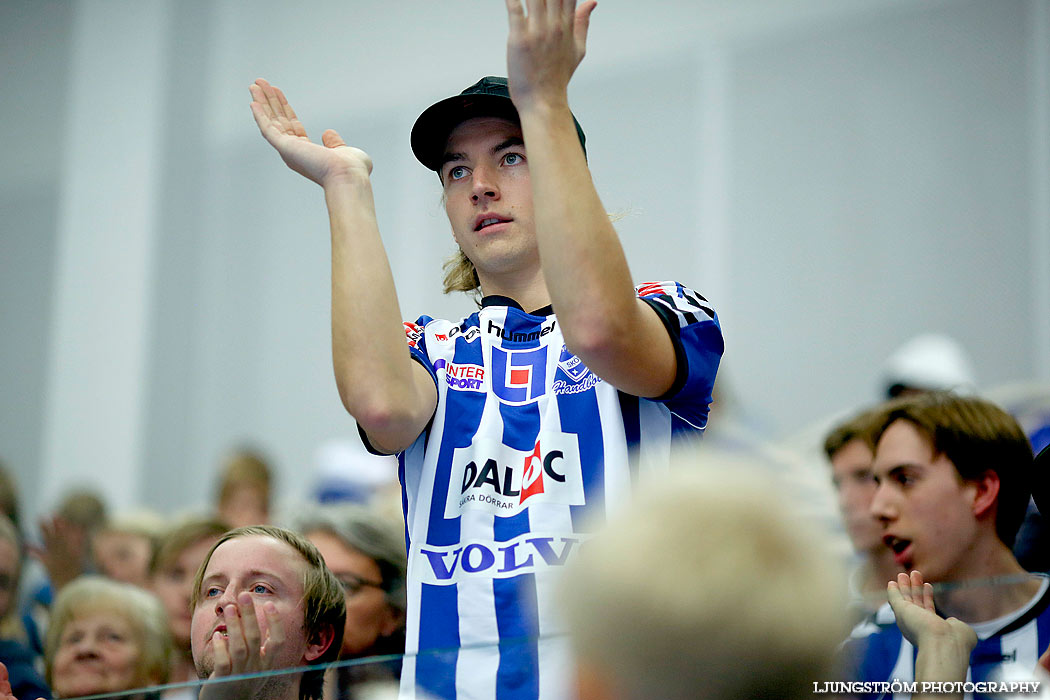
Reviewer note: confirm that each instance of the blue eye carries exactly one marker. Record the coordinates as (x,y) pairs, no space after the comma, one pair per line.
(212,592)
(260,588)
(513,159)
(457,173)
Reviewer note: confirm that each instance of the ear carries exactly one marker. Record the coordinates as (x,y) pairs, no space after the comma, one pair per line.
(322,639)
(986,495)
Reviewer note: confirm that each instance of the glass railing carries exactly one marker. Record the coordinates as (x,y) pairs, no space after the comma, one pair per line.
(873,662)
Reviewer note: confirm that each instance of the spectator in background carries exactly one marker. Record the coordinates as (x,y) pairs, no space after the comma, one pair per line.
(9,497)
(15,653)
(928,362)
(367,555)
(707,587)
(105,637)
(65,553)
(953,479)
(67,534)
(264,600)
(122,549)
(179,555)
(934,362)
(850,449)
(245,489)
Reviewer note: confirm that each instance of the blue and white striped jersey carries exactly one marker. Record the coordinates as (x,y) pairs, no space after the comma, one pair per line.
(524,443)
(1007,649)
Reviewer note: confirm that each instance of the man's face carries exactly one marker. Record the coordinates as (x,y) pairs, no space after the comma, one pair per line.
(488,196)
(270,571)
(925,507)
(854,485)
(173,584)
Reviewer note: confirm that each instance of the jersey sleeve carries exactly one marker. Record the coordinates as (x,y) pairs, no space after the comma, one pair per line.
(415,337)
(698,346)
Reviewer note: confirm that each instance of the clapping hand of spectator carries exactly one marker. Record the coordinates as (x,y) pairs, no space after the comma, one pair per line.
(63,550)
(943,645)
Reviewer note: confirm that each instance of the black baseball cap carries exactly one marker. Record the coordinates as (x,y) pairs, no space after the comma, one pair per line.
(489,97)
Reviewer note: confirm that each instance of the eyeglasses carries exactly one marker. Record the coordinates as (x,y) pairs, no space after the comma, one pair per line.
(352,584)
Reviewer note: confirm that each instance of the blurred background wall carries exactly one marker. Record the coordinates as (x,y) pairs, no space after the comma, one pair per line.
(836,176)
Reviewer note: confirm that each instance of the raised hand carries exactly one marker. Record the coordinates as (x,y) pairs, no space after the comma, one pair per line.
(6,693)
(323,163)
(544,48)
(62,551)
(247,648)
(912,603)
(944,645)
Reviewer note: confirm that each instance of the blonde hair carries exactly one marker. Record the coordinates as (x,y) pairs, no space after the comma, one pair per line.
(141,609)
(461,275)
(705,587)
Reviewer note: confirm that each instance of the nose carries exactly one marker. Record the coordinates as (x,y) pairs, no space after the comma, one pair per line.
(483,184)
(228,596)
(85,647)
(883,504)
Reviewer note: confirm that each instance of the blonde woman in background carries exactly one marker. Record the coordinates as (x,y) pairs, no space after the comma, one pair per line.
(106,637)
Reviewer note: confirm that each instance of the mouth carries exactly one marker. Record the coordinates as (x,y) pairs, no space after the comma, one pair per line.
(221,629)
(483,222)
(901,548)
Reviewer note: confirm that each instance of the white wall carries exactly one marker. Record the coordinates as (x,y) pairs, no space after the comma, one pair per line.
(834,175)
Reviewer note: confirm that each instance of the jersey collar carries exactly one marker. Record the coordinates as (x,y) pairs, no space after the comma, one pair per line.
(499,300)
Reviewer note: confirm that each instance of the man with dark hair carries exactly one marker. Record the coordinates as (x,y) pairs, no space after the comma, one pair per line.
(508,423)
(264,600)
(953,479)
(850,448)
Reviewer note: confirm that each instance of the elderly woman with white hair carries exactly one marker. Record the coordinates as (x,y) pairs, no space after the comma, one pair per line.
(105,637)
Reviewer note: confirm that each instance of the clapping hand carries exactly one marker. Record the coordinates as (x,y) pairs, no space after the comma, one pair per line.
(246,648)
(323,163)
(544,47)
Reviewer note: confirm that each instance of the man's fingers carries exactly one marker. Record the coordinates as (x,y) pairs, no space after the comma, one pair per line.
(258,91)
(893,593)
(272,102)
(536,13)
(332,139)
(267,126)
(515,15)
(582,23)
(235,642)
(250,623)
(904,584)
(274,632)
(927,597)
(221,665)
(556,11)
(289,113)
